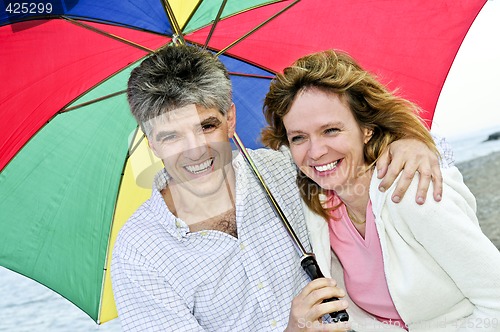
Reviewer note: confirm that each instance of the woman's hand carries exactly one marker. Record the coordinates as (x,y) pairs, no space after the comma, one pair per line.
(410,156)
(307,308)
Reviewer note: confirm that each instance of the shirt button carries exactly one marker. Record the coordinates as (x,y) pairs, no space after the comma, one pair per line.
(203,233)
(178,224)
(242,246)
(260,285)
(274,323)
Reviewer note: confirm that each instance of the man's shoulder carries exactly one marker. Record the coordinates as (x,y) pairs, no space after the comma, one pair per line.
(140,217)
(142,225)
(282,152)
(272,159)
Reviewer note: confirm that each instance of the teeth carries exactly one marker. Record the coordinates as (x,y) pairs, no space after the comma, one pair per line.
(200,168)
(327,167)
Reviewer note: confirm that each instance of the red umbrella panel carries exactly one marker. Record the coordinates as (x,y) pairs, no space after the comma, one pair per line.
(410,45)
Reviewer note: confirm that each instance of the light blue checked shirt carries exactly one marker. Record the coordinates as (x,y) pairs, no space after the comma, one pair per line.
(166,278)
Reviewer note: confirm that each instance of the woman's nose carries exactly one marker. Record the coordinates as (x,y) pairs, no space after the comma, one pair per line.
(317,148)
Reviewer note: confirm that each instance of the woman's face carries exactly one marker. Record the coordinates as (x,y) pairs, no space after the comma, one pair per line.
(325,140)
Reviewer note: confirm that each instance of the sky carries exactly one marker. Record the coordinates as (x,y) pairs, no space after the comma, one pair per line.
(470,99)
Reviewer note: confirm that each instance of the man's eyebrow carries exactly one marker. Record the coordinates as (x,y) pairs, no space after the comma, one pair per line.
(211,120)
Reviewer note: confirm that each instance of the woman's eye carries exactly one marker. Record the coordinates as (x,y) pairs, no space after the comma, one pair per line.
(296,139)
(332,131)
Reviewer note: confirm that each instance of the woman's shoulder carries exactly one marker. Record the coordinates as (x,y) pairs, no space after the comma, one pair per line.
(454,190)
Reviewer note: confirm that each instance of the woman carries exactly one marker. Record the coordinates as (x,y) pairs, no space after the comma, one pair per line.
(423,267)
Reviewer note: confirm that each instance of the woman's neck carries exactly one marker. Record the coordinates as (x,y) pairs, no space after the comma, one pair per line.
(355,195)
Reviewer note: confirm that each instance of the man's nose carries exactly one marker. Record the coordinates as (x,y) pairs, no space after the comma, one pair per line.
(196,146)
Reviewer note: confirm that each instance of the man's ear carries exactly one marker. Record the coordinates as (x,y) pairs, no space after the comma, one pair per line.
(231,120)
(152,145)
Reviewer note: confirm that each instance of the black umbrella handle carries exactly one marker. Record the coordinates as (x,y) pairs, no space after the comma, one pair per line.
(311,267)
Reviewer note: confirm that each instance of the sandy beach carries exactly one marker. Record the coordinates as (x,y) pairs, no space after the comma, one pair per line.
(482,176)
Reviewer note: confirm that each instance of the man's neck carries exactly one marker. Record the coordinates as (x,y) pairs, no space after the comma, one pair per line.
(214,211)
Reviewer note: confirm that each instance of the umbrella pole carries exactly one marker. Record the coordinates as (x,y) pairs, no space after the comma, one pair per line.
(307,260)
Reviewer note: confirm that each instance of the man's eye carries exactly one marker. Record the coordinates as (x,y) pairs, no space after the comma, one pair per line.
(208,128)
(210,125)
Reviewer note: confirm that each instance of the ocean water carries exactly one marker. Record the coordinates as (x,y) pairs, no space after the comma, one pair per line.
(28,306)
(474,144)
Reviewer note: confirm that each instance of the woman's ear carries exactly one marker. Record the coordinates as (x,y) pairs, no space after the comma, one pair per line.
(367,133)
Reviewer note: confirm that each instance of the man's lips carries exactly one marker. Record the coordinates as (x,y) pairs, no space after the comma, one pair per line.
(201,167)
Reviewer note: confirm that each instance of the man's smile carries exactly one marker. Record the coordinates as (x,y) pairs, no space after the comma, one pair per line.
(201,167)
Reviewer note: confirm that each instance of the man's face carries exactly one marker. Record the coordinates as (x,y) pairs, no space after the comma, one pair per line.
(193,143)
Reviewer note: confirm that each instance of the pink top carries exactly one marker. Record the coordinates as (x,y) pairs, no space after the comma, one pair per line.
(363,264)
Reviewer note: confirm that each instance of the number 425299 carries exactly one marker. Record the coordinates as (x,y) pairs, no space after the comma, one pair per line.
(28,8)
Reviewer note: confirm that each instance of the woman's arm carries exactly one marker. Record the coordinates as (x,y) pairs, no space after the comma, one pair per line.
(447,240)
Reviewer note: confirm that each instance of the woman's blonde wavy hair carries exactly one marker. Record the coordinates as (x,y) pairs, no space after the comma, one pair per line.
(387,115)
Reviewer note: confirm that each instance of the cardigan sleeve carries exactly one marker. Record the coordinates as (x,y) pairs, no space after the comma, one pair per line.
(450,233)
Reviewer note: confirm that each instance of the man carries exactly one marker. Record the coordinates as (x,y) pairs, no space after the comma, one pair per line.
(206,252)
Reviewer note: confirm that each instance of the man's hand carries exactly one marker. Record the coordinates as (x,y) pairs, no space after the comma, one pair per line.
(410,156)
(308,309)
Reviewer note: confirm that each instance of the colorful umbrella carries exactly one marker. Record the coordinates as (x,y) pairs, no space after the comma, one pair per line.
(73,165)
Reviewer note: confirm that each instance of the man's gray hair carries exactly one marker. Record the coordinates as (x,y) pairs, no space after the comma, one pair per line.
(174,77)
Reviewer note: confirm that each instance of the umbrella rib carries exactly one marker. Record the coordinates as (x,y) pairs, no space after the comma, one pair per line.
(217,19)
(193,13)
(269,77)
(72,108)
(107,34)
(133,148)
(242,148)
(237,140)
(257,28)
(298,245)
(173,21)
(111,226)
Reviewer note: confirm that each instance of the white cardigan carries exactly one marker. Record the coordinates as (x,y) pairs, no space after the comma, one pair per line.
(442,272)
